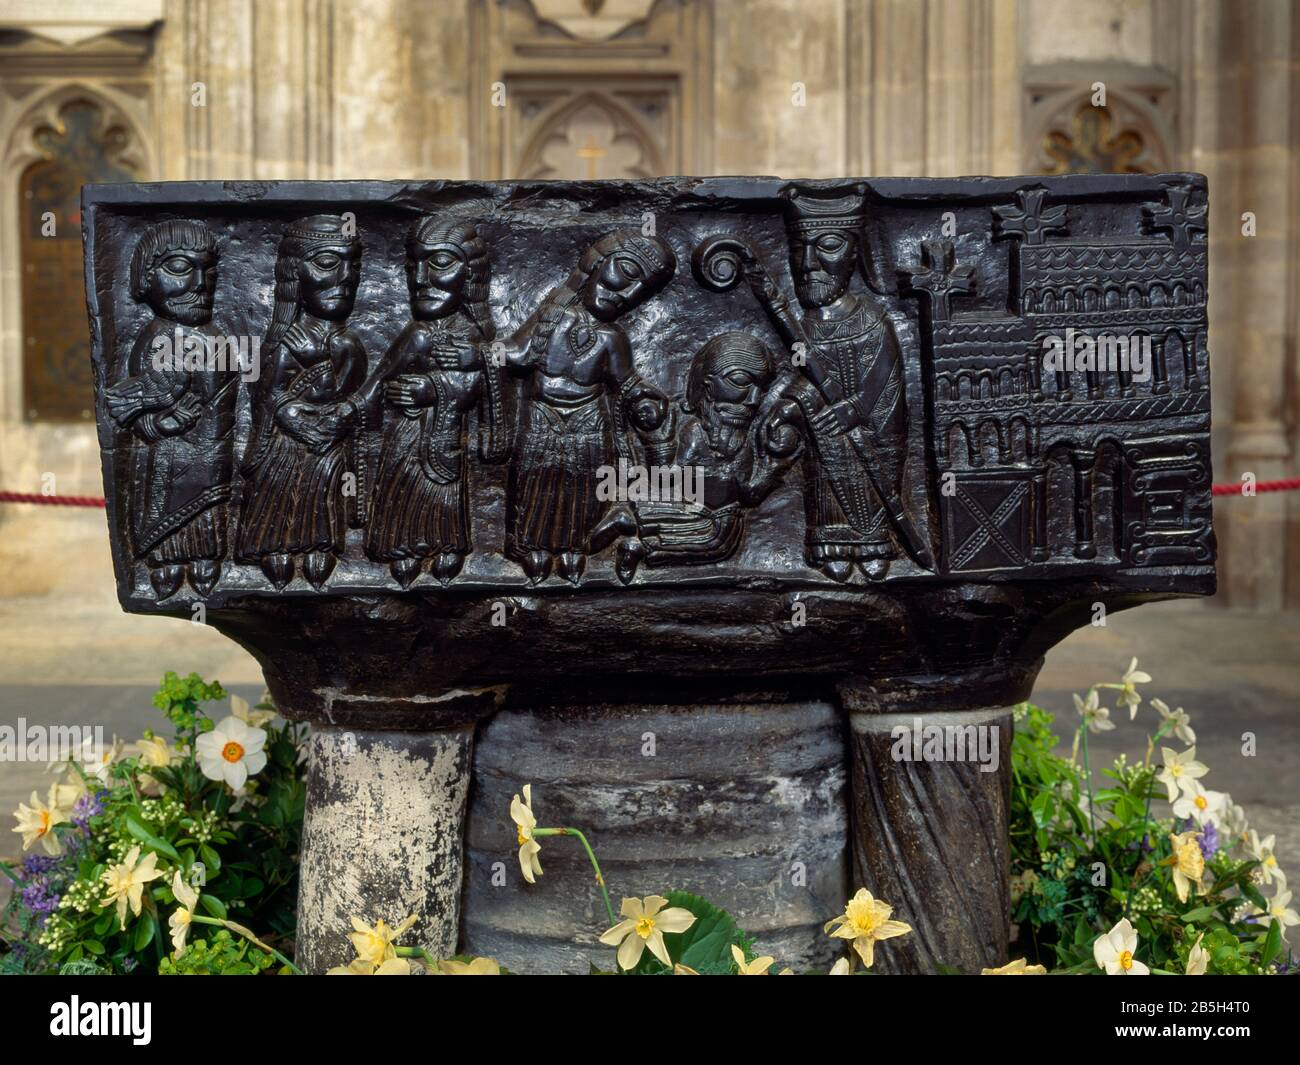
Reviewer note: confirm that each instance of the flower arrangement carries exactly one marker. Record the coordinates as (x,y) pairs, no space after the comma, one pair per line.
(164,855)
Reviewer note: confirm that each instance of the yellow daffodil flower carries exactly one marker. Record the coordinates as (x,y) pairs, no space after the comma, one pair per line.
(126,882)
(1019,967)
(36,822)
(757,967)
(521,813)
(179,921)
(684,970)
(645,922)
(843,967)
(866,921)
(1188,863)
(473,967)
(1114,951)
(1262,851)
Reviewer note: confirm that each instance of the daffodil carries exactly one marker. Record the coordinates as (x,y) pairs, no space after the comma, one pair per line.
(1188,863)
(1262,851)
(127,879)
(865,921)
(357,967)
(1095,716)
(473,967)
(249,716)
(1279,907)
(374,945)
(1232,819)
(1177,720)
(521,813)
(1019,967)
(1179,768)
(179,921)
(644,923)
(757,967)
(1114,951)
(154,753)
(70,790)
(36,822)
(1198,804)
(1198,958)
(1128,693)
(684,970)
(232,751)
(842,967)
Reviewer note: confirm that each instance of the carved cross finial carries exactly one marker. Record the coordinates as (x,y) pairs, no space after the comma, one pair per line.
(1180,220)
(1028,221)
(938,278)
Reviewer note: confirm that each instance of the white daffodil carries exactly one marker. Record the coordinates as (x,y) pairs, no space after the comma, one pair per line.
(1114,951)
(1177,720)
(1198,958)
(1095,716)
(1262,851)
(154,753)
(1279,907)
(644,924)
(1178,769)
(521,813)
(96,759)
(127,879)
(1019,967)
(179,921)
(1188,863)
(865,921)
(36,822)
(757,967)
(1197,803)
(1232,820)
(231,752)
(1128,693)
(248,715)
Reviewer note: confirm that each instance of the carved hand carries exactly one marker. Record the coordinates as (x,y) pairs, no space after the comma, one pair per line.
(182,417)
(837,418)
(411,392)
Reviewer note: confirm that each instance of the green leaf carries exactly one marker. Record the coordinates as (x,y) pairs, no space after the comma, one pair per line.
(706,945)
(214,906)
(1252,892)
(211,860)
(1273,943)
(145,836)
(93,946)
(144,930)
(105,922)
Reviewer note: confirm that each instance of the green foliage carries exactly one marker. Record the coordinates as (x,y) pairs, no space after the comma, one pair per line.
(239,850)
(220,955)
(1090,849)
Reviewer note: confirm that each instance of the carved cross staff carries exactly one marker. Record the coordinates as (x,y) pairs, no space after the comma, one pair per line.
(938,278)
(1180,220)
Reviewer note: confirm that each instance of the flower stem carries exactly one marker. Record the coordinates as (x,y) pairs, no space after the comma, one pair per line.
(239,929)
(1087,769)
(600,879)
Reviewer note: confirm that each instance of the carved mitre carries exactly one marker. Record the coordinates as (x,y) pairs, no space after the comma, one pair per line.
(811,211)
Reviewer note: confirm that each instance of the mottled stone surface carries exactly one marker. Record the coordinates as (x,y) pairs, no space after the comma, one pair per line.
(744,803)
(930,837)
(382,839)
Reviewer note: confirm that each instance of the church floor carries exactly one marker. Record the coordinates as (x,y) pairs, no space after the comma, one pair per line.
(78,659)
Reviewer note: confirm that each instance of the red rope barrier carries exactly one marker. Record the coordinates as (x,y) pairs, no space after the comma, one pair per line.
(1290,485)
(51,501)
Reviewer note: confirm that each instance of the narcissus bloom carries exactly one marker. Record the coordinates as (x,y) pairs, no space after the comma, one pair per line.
(36,822)
(473,967)
(376,953)
(1262,851)
(843,967)
(1188,862)
(1128,695)
(645,922)
(126,881)
(1179,769)
(1114,951)
(865,921)
(231,752)
(1198,804)
(1019,967)
(154,753)
(757,967)
(1095,716)
(1279,907)
(1177,720)
(179,922)
(1198,958)
(521,813)
(250,717)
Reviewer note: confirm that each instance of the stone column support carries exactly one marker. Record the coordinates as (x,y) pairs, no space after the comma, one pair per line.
(930,820)
(382,838)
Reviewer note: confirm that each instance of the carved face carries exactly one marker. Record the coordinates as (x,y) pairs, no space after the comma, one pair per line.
(328,279)
(181,285)
(619,284)
(733,393)
(821,263)
(436,275)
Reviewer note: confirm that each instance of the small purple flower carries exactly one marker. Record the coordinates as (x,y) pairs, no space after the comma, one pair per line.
(38,864)
(1209,841)
(86,807)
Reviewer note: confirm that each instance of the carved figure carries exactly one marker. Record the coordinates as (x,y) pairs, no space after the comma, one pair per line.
(179,412)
